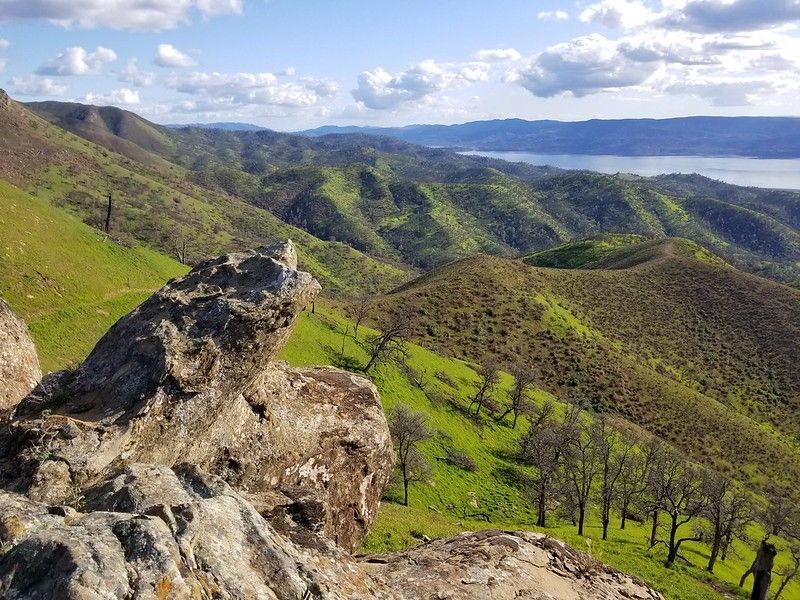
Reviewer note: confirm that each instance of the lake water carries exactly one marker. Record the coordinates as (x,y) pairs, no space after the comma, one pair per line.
(758,172)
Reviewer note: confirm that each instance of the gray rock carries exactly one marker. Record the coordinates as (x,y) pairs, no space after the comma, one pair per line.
(19,364)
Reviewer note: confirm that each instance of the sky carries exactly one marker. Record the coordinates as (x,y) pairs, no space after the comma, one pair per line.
(297,64)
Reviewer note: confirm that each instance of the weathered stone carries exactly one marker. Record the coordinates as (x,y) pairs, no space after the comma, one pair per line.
(498,565)
(19,364)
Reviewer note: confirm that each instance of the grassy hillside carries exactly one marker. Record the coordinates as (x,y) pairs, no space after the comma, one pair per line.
(426,207)
(676,333)
(70,283)
(155,203)
(66,280)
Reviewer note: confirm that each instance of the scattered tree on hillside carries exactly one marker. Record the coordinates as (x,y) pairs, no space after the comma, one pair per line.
(580,465)
(679,489)
(389,344)
(634,477)
(360,309)
(613,453)
(541,447)
(789,572)
(524,379)
(728,511)
(489,373)
(408,429)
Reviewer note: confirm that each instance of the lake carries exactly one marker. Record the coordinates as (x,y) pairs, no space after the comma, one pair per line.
(758,172)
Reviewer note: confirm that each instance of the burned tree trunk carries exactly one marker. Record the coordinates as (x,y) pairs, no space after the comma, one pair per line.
(761,570)
(108,215)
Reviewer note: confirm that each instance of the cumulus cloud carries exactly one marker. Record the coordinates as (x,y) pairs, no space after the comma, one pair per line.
(135,76)
(732,15)
(380,90)
(497,55)
(33,85)
(553,15)
(168,55)
(146,15)
(124,96)
(78,61)
(582,66)
(618,13)
(239,89)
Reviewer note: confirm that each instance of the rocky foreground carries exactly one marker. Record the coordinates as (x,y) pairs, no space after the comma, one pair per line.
(180,461)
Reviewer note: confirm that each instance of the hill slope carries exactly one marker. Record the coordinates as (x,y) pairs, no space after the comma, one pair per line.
(155,203)
(666,333)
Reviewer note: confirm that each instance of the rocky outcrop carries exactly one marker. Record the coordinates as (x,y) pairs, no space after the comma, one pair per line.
(19,364)
(181,461)
(496,564)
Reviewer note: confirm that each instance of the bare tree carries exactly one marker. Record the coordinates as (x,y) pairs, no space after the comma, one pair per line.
(108,215)
(524,379)
(541,447)
(728,511)
(680,489)
(580,466)
(408,429)
(389,344)
(613,453)
(180,250)
(489,373)
(634,477)
(789,572)
(360,309)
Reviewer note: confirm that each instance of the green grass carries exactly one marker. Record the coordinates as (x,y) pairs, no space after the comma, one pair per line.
(66,280)
(450,500)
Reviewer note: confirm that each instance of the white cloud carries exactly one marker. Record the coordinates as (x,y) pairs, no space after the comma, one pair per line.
(582,66)
(627,14)
(497,55)
(4,43)
(33,85)
(731,15)
(135,76)
(120,96)
(239,89)
(553,15)
(78,61)
(381,90)
(168,55)
(146,15)
(3,63)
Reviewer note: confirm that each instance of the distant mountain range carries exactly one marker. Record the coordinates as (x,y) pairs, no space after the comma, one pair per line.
(225,126)
(758,137)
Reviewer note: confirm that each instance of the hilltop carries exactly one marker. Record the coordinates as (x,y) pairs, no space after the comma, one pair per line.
(651,330)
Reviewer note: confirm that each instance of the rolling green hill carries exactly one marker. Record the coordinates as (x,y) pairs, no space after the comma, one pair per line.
(155,203)
(424,207)
(666,330)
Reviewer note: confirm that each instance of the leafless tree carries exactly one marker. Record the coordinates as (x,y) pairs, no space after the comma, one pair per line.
(408,429)
(728,510)
(180,250)
(680,489)
(524,379)
(634,477)
(613,453)
(389,344)
(761,569)
(789,572)
(580,466)
(542,447)
(489,373)
(360,309)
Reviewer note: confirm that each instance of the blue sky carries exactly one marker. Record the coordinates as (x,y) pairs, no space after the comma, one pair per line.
(292,64)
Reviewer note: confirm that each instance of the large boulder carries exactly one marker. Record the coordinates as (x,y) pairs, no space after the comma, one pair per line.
(156,533)
(495,565)
(19,364)
(188,377)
